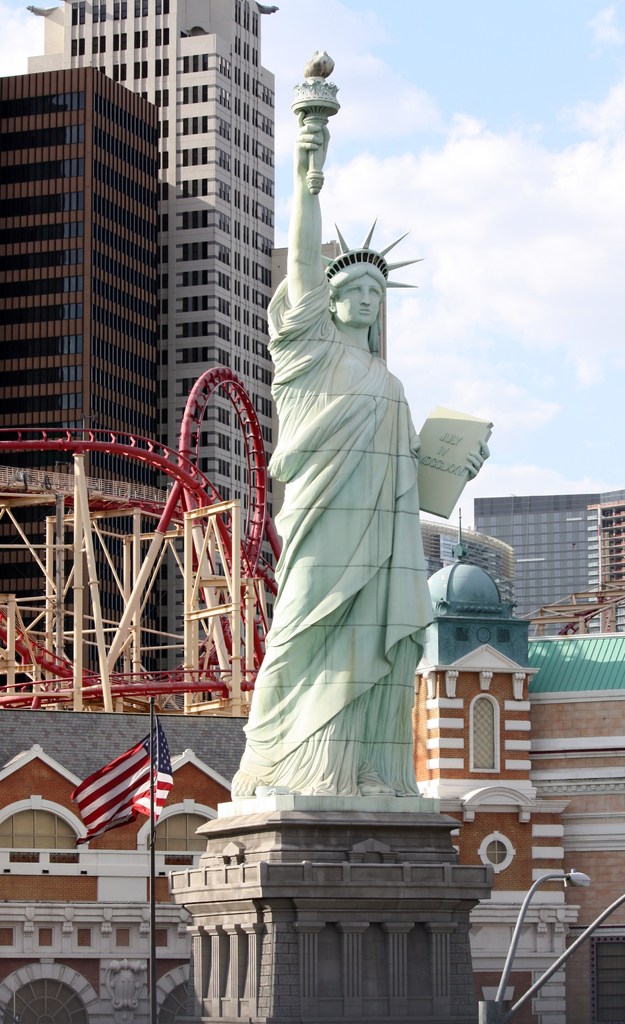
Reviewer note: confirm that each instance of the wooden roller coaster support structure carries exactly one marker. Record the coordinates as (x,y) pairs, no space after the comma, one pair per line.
(221,594)
(106,663)
(211,598)
(132,566)
(54,577)
(83,541)
(8,655)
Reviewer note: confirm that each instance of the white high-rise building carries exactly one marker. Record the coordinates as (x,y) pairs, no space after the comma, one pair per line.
(199,62)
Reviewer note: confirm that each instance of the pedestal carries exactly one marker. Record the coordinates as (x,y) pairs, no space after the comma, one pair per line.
(322,911)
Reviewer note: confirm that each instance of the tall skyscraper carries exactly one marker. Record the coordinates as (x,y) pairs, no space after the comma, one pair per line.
(606,541)
(198,61)
(78,252)
(78,237)
(557,540)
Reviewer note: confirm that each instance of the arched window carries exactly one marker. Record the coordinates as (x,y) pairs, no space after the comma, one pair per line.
(174,1005)
(484,735)
(33,829)
(49,1000)
(177,832)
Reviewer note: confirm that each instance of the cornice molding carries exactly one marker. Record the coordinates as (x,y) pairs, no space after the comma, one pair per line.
(579,787)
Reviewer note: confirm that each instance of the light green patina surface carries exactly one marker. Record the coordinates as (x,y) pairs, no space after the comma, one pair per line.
(578,663)
(331,713)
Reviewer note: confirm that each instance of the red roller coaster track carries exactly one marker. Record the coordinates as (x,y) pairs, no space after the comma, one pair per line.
(191,489)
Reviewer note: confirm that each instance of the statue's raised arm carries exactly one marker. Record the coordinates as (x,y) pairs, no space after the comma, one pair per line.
(315,102)
(304,267)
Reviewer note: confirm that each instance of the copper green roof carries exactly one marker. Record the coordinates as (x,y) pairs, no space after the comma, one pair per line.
(465,589)
(578,663)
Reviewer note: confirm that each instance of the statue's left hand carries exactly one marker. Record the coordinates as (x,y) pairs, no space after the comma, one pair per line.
(475,460)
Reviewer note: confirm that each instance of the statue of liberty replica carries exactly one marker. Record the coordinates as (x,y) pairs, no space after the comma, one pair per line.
(329,890)
(331,712)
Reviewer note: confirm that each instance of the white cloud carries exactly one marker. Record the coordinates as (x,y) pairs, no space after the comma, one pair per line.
(439,366)
(605,119)
(604,28)
(522,244)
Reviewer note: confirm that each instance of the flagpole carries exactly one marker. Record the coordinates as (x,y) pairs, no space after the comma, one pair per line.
(153,1018)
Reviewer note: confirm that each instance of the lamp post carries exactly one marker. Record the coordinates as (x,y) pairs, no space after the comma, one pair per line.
(491,1010)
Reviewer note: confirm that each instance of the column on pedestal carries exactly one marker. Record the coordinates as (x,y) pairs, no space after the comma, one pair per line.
(308,932)
(397,960)
(352,932)
(218,968)
(253,933)
(198,974)
(236,964)
(440,965)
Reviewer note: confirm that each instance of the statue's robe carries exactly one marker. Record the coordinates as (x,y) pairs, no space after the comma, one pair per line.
(333,699)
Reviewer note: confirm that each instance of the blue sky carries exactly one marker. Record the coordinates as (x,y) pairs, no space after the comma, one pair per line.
(494,131)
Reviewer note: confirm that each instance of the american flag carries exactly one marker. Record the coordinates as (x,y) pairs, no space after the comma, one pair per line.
(115,794)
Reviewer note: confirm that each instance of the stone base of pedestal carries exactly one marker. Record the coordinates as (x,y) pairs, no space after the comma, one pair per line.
(303,914)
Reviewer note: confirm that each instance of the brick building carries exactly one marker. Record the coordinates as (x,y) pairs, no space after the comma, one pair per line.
(578,757)
(520,742)
(74,921)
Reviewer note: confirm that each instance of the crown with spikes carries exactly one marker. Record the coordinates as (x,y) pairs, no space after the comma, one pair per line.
(351,257)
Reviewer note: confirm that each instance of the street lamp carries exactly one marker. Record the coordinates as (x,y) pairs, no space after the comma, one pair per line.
(491,1010)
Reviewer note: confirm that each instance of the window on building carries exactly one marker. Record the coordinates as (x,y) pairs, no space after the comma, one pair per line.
(178,833)
(484,735)
(174,1005)
(50,1000)
(36,830)
(496,850)
(608,979)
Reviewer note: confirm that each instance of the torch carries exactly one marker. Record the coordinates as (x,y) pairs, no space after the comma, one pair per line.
(315,99)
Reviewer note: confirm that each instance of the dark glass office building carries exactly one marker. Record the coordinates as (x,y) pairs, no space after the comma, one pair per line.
(555,539)
(78,256)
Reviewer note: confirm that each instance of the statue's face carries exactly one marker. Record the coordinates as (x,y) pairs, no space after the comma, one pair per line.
(357,303)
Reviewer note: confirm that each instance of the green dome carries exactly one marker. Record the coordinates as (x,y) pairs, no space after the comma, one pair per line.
(463,589)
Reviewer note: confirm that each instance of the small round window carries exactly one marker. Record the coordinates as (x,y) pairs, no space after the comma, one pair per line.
(496,850)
